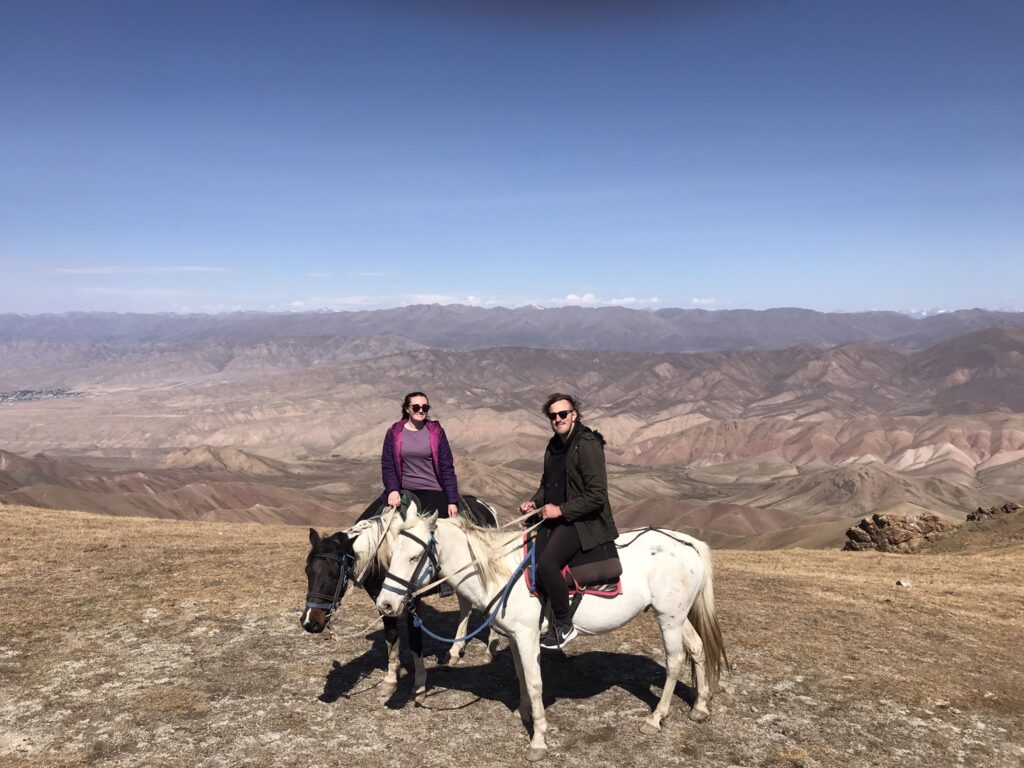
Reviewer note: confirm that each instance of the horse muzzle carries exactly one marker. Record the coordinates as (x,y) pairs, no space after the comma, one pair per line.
(390,606)
(314,620)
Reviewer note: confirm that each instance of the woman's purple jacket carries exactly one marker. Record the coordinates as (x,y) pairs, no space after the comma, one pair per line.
(444,466)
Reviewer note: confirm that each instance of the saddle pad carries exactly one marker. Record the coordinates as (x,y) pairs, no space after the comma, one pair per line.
(596,588)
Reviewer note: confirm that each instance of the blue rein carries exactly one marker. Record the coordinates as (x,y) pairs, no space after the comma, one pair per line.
(499,604)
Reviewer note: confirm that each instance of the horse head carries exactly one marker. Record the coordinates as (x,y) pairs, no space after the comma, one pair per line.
(328,575)
(413,563)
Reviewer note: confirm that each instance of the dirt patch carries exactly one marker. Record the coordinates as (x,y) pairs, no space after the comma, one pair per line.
(127,642)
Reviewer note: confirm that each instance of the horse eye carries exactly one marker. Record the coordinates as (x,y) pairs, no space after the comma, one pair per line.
(414,558)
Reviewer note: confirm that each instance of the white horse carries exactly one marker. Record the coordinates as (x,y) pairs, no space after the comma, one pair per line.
(369,543)
(666,570)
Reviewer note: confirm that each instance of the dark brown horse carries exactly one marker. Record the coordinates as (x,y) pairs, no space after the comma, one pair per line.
(361,555)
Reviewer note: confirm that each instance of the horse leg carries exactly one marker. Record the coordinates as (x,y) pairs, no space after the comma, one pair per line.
(419,670)
(695,648)
(391,646)
(527,650)
(459,646)
(524,696)
(492,645)
(674,656)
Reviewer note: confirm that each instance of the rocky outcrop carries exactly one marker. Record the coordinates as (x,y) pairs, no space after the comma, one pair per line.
(987,514)
(894,532)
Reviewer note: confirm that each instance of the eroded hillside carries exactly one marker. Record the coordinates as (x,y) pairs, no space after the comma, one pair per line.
(745,448)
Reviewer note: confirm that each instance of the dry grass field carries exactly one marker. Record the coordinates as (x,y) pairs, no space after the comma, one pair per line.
(139,642)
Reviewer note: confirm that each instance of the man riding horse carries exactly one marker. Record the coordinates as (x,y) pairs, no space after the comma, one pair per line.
(573,502)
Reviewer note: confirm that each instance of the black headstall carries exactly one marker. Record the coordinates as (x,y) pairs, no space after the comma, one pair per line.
(420,575)
(330,602)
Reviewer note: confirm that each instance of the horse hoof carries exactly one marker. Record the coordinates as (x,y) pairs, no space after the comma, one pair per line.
(386,689)
(421,697)
(699,715)
(454,661)
(648,728)
(536,753)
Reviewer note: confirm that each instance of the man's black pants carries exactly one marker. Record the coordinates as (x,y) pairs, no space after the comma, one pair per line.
(557,543)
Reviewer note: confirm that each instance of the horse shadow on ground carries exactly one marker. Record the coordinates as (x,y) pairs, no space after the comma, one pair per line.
(364,674)
(578,675)
(343,680)
(589,673)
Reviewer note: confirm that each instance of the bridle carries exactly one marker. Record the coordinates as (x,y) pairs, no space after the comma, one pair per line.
(318,599)
(420,575)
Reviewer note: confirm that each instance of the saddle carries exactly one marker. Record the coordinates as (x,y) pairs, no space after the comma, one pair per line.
(475,510)
(594,571)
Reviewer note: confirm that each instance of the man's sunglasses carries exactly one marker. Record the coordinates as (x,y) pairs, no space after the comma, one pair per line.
(558,414)
(416,408)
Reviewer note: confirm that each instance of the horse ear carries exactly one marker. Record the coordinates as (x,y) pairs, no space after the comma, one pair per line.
(432,520)
(314,537)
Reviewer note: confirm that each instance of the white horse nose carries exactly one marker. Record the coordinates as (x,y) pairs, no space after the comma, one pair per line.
(385,608)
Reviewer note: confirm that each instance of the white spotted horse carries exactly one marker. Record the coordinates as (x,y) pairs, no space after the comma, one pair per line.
(661,569)
(361,555)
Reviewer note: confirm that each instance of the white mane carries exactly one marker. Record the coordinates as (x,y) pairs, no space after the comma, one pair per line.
(371,544)
(492,550)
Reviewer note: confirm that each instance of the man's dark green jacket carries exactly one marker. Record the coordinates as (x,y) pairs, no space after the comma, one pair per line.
(586,488)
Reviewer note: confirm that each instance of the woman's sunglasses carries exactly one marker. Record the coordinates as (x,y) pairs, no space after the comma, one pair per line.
(558,414)
(416,408)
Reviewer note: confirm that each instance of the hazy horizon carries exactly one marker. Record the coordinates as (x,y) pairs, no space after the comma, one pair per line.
(916,314)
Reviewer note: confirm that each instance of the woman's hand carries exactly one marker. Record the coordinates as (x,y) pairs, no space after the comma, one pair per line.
(527,506)
(453,510)
(394,499)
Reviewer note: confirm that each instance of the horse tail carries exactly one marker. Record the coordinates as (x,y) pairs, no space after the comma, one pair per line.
(705,621)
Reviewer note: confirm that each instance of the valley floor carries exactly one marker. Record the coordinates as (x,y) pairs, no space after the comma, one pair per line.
(141,642)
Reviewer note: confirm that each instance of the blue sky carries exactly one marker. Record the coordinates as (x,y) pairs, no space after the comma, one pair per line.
(214,156)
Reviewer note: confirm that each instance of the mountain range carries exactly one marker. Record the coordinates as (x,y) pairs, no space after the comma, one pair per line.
(761,447)
(468,327)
